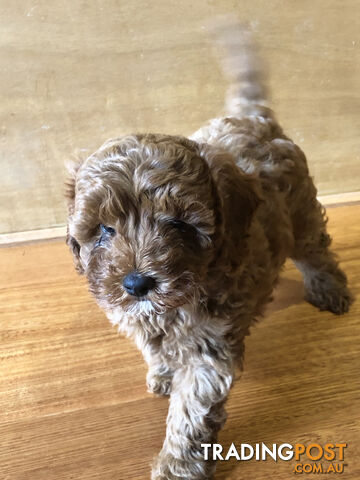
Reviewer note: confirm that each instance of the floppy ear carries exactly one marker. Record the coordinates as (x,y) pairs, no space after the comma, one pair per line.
(238,194)
(75,250)
(72,168)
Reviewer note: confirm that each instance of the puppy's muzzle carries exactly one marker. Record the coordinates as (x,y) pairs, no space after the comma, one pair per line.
(137,284)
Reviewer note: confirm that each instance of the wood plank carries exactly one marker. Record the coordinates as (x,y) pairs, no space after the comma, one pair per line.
(73,402)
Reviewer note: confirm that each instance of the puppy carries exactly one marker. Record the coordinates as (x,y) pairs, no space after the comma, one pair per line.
(182,241)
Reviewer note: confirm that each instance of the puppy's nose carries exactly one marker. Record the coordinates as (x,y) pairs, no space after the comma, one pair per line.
(137,284)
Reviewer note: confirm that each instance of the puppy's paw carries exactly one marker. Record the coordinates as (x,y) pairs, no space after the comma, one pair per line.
(329,292)
(167,467)
(157,383)
(162,466)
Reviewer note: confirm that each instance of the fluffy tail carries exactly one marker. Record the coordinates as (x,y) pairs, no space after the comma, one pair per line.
(247,93)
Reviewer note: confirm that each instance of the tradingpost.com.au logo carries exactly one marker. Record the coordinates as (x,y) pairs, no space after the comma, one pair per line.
(311,458)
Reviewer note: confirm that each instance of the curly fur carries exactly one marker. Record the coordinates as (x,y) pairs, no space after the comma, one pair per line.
(243,192)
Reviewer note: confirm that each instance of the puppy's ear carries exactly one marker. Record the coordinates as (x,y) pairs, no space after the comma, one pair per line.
(238,194)
(75,250)
(72,168)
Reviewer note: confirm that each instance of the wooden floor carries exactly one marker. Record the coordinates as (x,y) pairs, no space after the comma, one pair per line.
(73,402)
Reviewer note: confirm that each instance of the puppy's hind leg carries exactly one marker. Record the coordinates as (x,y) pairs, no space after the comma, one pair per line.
(325,283)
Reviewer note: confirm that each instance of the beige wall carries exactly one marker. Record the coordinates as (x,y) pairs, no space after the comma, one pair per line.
(74,73)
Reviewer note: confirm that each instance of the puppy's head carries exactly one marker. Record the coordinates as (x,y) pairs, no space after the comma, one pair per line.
(149,215)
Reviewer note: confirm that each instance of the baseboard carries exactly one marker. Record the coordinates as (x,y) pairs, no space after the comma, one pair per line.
(7,239)
(338,199)
(46,234)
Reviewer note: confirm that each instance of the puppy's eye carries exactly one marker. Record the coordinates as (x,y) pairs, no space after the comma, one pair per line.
(180,225)
(105,234)
(107,230)
(183,227)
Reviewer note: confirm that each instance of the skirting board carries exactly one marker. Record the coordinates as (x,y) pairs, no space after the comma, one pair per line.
(44,234)
(7,239)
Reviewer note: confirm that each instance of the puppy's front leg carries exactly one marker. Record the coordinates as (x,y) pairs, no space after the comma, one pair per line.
(160,374)
(196,413)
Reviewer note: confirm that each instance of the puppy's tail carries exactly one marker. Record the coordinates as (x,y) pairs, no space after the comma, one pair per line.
(247,93)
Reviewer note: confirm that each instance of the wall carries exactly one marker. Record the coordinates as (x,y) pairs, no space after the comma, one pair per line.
(74,73)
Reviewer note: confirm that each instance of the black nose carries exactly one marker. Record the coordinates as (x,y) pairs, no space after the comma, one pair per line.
(137,284)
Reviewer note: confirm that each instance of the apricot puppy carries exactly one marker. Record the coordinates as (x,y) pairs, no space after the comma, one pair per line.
(182,241)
